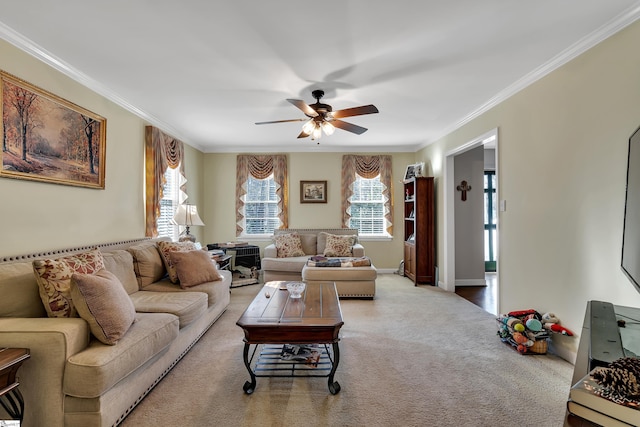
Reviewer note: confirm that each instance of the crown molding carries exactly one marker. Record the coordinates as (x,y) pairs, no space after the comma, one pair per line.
(21,42)
(318,148)
(604,32)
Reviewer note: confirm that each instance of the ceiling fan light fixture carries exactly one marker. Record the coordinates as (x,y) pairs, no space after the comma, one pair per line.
(328,128)
(316,133)
(322,119)
(309,126)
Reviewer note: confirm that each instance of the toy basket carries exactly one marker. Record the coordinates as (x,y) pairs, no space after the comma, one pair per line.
(539,347)
(538,340)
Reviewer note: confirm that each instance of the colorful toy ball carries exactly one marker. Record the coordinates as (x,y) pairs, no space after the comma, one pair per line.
(522,349)
(519,327)
(534,324)
(512,322)
(519,338)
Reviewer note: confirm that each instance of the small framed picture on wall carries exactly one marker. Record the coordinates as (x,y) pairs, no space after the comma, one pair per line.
(313,191)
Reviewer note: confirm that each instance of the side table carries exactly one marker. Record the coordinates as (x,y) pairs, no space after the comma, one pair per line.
(224,262)
(10,397)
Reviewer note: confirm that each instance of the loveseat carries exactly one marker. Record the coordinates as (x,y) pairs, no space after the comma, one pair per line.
(76,378)
(283,261)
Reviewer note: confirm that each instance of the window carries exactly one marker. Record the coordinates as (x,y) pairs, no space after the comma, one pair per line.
(261,206)
(490,220)
(169,204)
(261,194)
(367,207)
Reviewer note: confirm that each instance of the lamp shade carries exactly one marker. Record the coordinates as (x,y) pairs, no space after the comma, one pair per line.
(187,215)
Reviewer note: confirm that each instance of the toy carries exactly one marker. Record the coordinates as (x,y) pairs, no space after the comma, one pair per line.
(549,318)
(529,331)
(554,327)
(520,313)
(534,324)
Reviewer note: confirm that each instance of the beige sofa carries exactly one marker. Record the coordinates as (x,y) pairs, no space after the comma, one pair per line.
(72,379)
(351,282)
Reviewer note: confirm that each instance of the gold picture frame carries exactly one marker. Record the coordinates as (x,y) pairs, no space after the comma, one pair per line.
(49,139)
(313,191)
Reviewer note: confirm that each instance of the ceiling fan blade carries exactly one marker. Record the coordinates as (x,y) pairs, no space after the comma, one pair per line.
(350,127)
(303,135)
(282,121)
(355,111)
(304,107)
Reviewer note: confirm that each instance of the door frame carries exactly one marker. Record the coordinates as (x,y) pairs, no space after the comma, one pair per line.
(449,260)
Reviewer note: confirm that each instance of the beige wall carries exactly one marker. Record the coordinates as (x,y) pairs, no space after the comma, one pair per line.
(36,216)
(562,151)
(39,216)
(219,200)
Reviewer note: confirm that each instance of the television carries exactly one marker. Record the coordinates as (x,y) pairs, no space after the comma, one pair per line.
(631,229)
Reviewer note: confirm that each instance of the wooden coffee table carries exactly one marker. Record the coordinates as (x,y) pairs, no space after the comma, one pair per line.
(10,397)
(274,319)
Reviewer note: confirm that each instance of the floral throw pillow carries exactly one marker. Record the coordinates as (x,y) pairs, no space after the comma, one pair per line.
(339,245)
(165,251)
(54,280)
(289,245)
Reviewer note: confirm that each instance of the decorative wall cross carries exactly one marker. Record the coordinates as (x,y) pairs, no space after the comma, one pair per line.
(464,187)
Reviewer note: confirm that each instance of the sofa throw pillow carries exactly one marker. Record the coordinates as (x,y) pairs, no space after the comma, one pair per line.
(103,302)
(288,245)
(338,245)
(147,263)
(309,243)
(166,248)
(194,268)
(54,280)
(120,263)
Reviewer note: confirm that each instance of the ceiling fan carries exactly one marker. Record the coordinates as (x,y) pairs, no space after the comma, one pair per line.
(322,118)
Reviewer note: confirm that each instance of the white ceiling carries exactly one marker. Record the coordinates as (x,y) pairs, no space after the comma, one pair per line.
(205,71)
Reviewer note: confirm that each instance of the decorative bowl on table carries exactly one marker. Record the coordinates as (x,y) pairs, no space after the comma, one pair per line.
(295,289)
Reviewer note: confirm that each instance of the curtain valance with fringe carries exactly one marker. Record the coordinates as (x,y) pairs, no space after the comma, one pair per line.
(367,167)
(161,152)
(260,167)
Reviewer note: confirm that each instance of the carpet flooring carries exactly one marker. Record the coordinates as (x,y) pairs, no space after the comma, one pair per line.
(413,356)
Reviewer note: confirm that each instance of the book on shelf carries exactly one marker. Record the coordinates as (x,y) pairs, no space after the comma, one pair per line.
(589,394)
(304,353)
(594,416)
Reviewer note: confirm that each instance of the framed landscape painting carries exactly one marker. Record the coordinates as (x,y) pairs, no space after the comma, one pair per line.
(313,191)
(46,138)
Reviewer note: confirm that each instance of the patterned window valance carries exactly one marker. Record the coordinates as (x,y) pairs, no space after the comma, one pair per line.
(260,167)
(161,152)
(367,167)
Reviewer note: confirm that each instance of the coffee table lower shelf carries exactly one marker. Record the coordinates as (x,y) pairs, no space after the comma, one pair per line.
(267,362)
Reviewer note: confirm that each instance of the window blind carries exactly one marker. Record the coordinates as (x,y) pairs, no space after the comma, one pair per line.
(367,206)
(261,206)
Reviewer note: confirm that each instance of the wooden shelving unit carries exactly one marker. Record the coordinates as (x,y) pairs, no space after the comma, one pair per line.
(419,230)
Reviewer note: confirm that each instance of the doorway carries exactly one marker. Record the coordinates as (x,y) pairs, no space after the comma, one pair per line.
(488,140)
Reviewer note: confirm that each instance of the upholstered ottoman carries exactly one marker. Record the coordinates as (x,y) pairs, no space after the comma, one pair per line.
(351,282)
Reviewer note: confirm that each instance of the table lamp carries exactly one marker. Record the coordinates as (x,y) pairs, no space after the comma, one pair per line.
(187,215)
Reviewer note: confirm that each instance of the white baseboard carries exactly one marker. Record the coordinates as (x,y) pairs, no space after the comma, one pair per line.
(387,270)
(471,282)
